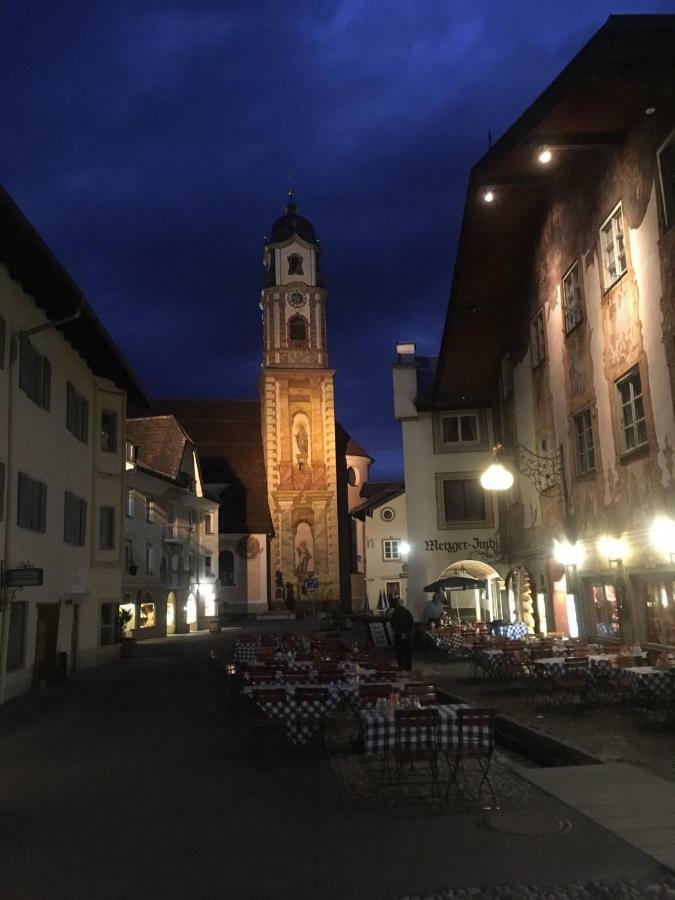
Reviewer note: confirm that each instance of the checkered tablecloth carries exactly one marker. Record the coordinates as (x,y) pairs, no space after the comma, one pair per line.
(650,679)
(244,652)
(514,631)
(302,718)
(600,664)
(379,731)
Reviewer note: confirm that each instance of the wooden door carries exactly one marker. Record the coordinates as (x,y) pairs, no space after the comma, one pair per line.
(45,641)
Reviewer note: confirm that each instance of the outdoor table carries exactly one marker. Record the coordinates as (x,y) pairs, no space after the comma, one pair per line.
(245,652)
(600,664)
(656,681)
(302,718)
(379,730)
(514,631)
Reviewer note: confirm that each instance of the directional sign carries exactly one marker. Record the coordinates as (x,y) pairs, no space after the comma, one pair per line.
(311,584)
(23,577)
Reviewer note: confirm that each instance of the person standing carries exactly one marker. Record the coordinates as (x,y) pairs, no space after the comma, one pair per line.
(403,626)
(434,610)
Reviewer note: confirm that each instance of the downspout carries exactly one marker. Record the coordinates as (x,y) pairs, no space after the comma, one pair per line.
(13,354)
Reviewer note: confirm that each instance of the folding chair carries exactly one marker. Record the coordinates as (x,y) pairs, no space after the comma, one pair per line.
(416,741)
(574,680)
(475,741)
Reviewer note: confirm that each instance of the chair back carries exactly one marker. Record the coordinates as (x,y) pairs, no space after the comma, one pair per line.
(476,730)
(416,730)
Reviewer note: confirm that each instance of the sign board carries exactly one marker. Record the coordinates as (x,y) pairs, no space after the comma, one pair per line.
(18,578)
(311,584)
(378,633)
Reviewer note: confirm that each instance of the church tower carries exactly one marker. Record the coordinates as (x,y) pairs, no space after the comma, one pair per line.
(297,411)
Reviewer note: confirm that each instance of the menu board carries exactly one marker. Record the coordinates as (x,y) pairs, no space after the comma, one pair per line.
(378,633)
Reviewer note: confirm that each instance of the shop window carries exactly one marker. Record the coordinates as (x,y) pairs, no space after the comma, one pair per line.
(106,528)
(147,612)
(108,623)
(74,520)
(583,442)
(35,375)
(226,568)
(16,643)
(537,339)
(658,598)
(77,414)
(391,549)
(109,431)
(460,500)
(666,158)
(613,247)
(606,611)
(31,504)
(632,411)
(572,304)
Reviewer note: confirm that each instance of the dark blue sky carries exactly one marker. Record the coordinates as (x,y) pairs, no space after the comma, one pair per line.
(150,143)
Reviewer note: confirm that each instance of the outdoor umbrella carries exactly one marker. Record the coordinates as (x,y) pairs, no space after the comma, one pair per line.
(382,602)
(366,605)
(454,583)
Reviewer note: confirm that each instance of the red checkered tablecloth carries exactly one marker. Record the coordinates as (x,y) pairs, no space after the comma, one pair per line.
(379,731)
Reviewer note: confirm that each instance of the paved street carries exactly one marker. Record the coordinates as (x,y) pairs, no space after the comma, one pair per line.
(129,782)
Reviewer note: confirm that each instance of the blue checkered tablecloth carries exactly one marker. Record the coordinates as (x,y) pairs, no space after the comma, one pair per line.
(302,717)
(379,731)
(245,652)
(650,679)
(514,631)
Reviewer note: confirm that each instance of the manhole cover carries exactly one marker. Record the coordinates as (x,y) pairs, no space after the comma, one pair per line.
(523,822)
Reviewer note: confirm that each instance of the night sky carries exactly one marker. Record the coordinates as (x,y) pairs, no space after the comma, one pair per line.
(151,143)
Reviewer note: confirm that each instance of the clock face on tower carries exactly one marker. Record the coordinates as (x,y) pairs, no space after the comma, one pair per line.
(296,300)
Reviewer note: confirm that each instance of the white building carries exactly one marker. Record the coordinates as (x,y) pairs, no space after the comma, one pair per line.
(63,389)
(171,561)
(382,515)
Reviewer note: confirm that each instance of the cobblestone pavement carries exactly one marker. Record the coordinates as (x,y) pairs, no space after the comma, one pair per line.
(600,732)
(588,890)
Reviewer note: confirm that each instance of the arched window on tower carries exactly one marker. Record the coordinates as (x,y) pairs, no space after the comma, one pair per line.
(297,329)
(295,264)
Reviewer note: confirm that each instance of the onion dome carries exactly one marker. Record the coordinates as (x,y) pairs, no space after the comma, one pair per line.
(291,223)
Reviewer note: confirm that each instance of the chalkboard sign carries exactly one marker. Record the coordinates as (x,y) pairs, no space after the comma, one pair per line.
(390,632)
(378,633)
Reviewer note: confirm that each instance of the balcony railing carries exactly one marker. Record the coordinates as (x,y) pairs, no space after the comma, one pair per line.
(176,534)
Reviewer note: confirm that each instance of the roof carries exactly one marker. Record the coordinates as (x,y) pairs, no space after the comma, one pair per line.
(31,263)
(377,494)
(228,437)
(291,223)
(347,446)
(160,443)
(585,112)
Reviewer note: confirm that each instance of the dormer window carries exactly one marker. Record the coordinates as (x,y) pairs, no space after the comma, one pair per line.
(295,264)
(297,329)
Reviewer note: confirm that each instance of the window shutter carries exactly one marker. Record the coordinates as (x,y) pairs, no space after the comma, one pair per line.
(83,522)
(42,500)
(46,383)
(24,364)
(23,502)
(84,425)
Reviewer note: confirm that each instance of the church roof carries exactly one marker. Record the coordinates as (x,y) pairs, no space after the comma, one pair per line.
(160,444)
(347,445)
(228,436)
(291,223)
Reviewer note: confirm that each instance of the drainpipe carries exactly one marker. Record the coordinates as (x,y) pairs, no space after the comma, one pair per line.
(13,355)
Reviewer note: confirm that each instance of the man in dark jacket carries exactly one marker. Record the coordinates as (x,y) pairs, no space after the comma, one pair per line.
(403,626)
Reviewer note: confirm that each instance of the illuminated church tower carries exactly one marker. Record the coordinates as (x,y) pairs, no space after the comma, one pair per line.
(298,416)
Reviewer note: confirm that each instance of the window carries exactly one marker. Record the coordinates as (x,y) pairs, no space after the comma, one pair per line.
(572,306)
(208,523)
(613,247)
(109,431)
(633,424)
(17,635)
(149,511)
(32,504)
(352,477)
(461,428)
(658,599)
(226,568)
(3,333)
(297,329)
(2,491)
(147,612)
(207,565)
(131,505)
(537,339)
(74,520)
(106,528)
(461,499)
(35,374)
(77,414)
(391,549)
(393,590)
(387,514)
(149,559)
(666,158)
(606,611)
(108,623)
(191,563)
(128,555)
(190,518)
(583,442)
(295,264)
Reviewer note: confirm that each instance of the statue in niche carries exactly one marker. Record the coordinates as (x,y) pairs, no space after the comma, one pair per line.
(302,440)
(304,557)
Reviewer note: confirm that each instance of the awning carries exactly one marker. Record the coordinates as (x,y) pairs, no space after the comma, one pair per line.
(455,583)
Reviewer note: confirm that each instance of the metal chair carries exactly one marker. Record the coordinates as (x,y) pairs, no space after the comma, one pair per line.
(475,742)
(574,680)
(416,742)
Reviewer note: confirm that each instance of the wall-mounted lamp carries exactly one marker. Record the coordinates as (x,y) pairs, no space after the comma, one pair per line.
(545,156)
(488,196)
(662,536)
(545,472)
(614,549)
(568,555)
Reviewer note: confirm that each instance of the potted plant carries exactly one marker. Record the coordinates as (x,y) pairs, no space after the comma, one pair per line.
(124,616)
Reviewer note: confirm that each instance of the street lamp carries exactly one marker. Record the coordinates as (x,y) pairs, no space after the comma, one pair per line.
(545,472)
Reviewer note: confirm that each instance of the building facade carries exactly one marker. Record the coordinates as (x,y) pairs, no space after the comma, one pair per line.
(63,453)
(565,333)
(384,537)
(170,582)
(298,412)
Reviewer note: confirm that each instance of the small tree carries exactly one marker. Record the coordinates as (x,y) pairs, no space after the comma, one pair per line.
(124,616)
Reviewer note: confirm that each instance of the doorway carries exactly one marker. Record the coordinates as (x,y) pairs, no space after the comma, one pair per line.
(46,633)
(171,613)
